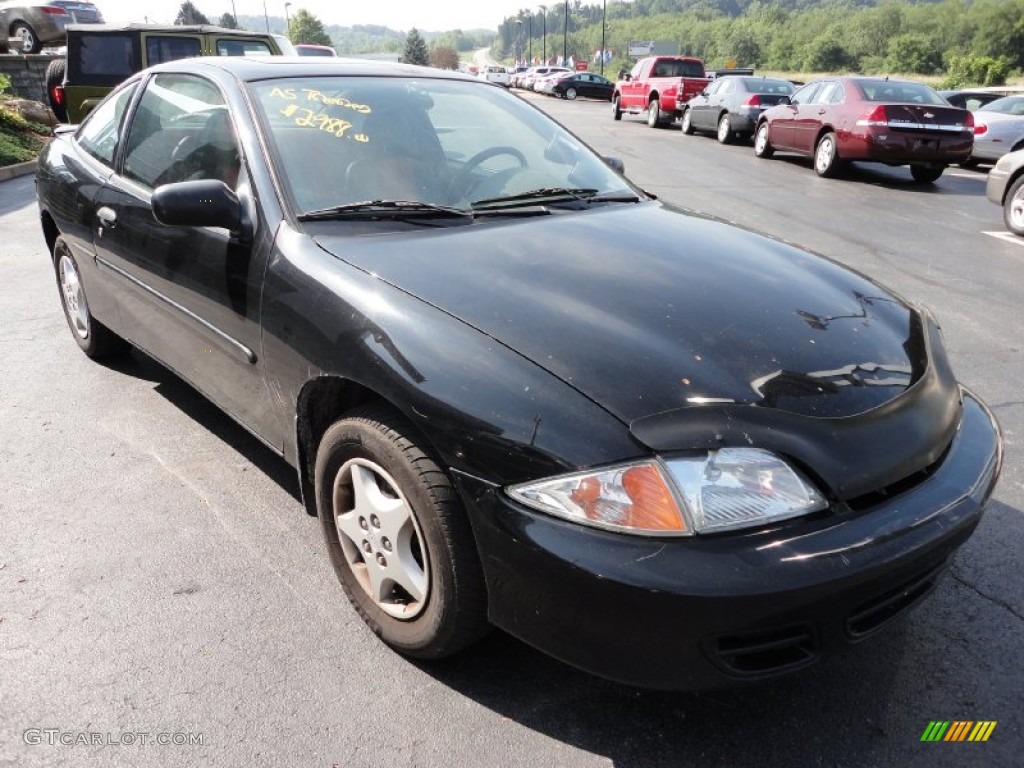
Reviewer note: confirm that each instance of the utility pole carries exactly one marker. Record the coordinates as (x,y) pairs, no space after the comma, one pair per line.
(287,23)
(565,36)
(604,10)
(265,17)
(544,34)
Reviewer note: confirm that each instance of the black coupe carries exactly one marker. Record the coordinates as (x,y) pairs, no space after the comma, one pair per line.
(517,390)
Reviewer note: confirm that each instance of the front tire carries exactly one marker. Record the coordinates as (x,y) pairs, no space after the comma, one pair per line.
(724,130)
(1013,208)
(762,146)
(926,174)
(397,535)
(96,340)
(616,111)
(687,126)
(826,157)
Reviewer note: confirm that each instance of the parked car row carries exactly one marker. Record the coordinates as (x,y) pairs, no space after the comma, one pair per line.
(837,120)
(527,79)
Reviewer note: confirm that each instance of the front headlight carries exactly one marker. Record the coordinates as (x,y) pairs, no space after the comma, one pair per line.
(721,490)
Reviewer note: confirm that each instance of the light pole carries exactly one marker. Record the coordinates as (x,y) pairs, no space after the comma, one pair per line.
(234,13)
(544,34)
(287,22)
(604,10)
(265,17)
(529,38)
(565,36)
(518,48)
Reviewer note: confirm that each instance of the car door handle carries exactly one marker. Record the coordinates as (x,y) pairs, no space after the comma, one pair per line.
(821,111)
(107,217)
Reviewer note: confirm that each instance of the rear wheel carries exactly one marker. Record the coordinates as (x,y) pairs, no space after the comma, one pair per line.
(826,157)
(28,40)
(926,174)
(54,81)
(570,94)
(724,130)
(687,122)
(653,113)
(971,162)
(616,112)
(93,338)
(1013,208)
(762,146)
(398,537)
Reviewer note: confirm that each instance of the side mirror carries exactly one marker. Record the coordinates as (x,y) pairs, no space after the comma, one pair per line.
(785,100)
(204,203)
(627,77)
(615,163)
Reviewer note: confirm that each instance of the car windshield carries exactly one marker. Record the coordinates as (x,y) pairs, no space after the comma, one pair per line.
(344,140)
(1008,105)
(896,92)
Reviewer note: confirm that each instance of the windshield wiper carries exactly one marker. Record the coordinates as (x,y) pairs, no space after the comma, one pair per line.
(381,209)
(585,195)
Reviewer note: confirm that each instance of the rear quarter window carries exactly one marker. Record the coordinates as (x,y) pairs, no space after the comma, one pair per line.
(103,59)
(227,47)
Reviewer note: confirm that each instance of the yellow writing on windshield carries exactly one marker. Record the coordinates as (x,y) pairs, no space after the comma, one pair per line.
(312,94)
(307,118)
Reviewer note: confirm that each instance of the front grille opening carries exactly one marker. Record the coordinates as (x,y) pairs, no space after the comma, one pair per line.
(765,652)
(889,492)
(876,613)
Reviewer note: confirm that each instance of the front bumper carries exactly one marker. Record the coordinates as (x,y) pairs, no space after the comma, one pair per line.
(713,610)
(996,184)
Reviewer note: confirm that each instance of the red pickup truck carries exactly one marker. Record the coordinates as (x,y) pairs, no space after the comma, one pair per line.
(656,85)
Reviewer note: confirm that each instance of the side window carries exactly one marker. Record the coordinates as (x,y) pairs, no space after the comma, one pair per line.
(831,93)
(806,94)
(99,134)
(161,49)
(181,131)
(103,59)
(242,48)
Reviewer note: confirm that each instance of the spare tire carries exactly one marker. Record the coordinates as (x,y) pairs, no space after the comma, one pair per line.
(55,88)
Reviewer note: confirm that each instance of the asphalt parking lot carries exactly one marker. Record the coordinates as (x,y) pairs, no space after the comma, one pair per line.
(159,576)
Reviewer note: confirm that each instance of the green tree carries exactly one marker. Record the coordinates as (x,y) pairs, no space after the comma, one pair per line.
(228,21)
(913,52)
(189,14)
(972,70)
(826,54)
(415,49)
(307,29)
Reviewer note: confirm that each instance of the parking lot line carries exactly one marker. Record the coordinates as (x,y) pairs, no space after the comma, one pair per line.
(1010,238)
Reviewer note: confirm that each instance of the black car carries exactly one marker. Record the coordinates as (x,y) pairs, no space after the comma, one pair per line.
(970,99)
(517,390)
(730,105)
(586,84)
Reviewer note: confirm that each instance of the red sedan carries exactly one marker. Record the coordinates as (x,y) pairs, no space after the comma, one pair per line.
(897,122)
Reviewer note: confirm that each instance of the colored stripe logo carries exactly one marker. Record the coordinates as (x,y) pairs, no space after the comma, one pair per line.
(959,730)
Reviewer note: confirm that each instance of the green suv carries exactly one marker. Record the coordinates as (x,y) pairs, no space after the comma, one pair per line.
(100,56)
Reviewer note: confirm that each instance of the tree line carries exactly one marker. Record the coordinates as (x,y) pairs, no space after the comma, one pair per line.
(970,43)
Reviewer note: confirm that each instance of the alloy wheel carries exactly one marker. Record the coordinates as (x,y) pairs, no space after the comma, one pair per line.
(74,297)
(381,539)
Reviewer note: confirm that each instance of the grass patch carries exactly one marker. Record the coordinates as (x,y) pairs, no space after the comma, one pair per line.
(20,140)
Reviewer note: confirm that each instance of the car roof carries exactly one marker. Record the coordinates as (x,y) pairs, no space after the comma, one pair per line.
(251,68)
(200,29)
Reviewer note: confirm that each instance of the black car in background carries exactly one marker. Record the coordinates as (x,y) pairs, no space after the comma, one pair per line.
(730,105)
(584,84)
(969,99)
(517,390)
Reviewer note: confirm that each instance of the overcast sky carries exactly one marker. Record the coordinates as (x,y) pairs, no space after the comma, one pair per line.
(397,14)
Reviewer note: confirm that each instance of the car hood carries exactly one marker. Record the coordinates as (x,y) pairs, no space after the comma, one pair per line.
(644,308)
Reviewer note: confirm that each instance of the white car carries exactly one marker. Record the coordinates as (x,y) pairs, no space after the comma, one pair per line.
(530,78)
(494,74)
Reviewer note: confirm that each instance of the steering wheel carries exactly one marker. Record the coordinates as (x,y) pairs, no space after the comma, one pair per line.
(460,182)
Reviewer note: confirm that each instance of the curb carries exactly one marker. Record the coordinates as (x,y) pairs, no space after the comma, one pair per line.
(18,169)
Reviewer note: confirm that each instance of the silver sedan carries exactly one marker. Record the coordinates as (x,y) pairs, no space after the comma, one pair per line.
(30,26)
(1005,187)
(998,128)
